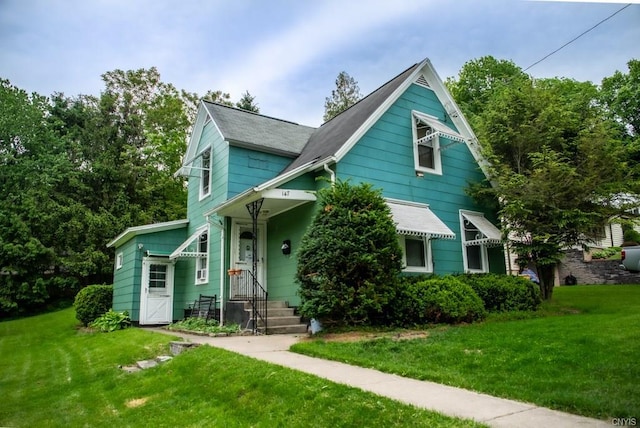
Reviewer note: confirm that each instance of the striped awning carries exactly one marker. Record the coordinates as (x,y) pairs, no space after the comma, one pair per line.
(189,248)
(416,219)
(439,129)
(487,233)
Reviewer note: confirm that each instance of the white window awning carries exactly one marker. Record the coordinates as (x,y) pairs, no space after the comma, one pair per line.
(189,248)
(416,219)
(439,129)
(487,234)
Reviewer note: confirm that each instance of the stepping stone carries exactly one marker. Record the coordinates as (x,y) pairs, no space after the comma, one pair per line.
(147,364)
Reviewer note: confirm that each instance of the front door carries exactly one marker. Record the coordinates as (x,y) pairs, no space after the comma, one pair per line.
(156,298)
(242,249)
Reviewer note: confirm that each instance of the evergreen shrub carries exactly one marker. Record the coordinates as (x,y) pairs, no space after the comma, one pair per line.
(504,293)
(93,301)
(349,260)
(436,300)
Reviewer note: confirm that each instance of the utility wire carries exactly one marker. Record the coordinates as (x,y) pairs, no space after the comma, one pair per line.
(577,37)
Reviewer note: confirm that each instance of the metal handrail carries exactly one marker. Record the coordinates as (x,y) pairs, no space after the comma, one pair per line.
(245,286)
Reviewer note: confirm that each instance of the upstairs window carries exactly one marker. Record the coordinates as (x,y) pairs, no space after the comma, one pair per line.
(202,261)
(205,176)
(426,145)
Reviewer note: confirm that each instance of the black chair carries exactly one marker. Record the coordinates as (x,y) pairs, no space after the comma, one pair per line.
(204,307)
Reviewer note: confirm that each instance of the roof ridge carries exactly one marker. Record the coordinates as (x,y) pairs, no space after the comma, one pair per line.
(254,113)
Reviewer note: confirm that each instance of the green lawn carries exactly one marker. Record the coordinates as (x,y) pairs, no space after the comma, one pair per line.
(580,354)
(55,375)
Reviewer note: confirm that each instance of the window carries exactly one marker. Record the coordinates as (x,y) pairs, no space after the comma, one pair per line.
(477,235)
(426,144)
(157,278)
(202,265)
(119,260)
(205,177)
(415,253)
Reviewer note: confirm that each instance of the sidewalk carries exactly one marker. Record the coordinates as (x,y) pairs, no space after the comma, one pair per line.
(495,412)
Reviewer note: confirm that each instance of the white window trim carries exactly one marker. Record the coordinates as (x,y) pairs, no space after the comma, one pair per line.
(437,169)
(202,171)
(484,256)
(119,260)
(202,274)
(428,267)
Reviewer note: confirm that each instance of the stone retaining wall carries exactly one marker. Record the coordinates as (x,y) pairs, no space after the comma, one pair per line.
(594,271)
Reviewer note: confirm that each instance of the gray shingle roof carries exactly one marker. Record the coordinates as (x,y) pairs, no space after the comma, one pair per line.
(250,129)
(327,140)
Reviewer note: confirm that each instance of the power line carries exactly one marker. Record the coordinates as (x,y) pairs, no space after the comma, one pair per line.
(577,37)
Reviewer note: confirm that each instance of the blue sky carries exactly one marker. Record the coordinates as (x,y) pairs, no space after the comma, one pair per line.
(287,53)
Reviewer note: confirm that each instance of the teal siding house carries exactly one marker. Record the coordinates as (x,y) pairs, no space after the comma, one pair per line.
(252,185)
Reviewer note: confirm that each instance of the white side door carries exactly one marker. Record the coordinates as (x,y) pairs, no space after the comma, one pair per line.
(156,295)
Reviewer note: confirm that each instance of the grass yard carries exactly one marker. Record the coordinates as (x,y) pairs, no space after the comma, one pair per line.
(55,375)
(580,353)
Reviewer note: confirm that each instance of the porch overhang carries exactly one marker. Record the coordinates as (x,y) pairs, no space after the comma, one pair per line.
(275,202)
(416,219)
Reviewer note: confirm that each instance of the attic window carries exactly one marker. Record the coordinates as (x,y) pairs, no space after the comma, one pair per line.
(426,144)
(422,81)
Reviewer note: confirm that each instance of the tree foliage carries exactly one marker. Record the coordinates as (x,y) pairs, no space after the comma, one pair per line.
(247,102)
(556,165)
(342,97)
(76,171)
(349,259)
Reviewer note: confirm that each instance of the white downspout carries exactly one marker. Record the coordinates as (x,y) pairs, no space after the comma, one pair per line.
(331,172)
(222,261)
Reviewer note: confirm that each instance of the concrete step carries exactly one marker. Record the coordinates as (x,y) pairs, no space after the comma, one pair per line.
(281,321)
(279,312)
(287,329)
(271,304)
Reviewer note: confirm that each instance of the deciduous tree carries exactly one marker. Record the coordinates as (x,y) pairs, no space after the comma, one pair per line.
(555,166)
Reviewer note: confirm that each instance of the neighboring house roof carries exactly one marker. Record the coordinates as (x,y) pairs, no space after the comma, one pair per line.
(147,228)
(244,128)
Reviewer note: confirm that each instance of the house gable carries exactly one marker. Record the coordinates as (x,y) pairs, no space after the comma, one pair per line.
(384,156)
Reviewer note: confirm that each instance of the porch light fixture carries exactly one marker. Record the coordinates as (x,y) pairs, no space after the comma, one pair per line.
(286,247)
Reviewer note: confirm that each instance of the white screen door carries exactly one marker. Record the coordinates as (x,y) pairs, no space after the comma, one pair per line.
(156,299)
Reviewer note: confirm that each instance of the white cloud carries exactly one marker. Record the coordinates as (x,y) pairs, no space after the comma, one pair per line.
(331,26)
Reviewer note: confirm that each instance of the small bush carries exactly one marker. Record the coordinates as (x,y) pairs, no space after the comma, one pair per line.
(436,300)
(92,302)
(502,293)
(111,321)
(631,236)
(200,325)
(606,253)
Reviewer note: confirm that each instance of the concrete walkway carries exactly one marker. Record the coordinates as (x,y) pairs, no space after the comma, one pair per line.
(495,412)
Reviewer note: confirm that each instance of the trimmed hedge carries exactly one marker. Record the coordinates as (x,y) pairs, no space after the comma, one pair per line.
(436,300)
(92,302)
(504,293)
